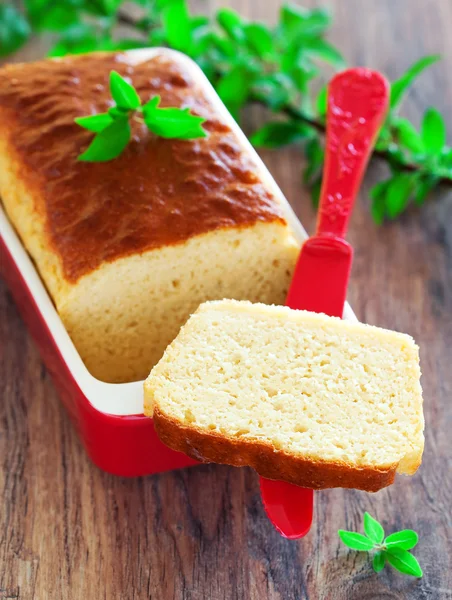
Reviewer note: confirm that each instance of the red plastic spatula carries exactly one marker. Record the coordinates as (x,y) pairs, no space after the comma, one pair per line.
(357,105)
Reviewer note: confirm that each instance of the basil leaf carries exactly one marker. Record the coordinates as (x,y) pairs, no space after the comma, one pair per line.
(201,40)
(14,29)
(115,112)
(232,24)
(373,529)
(260,39)
(322,101)
(274,90)
(298,22)
(172,122)
(423,187)
(324,50)
(234,88)
(399,87)
(54,16)
(176,21)
(110,6)
(278,134)
(198,22)
(95,123)
(405,539)
(433,131)
(123,93)
(157,38)
(379,561)
(398,194)
(315,155)
(109,143)
(404,562)
(355,541)
(408,136)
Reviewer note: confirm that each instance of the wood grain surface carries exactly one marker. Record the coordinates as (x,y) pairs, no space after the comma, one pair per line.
(71,532)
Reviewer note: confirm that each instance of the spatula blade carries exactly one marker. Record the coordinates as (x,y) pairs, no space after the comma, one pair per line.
(324,268)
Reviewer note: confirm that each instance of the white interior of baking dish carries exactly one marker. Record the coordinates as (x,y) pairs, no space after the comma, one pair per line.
(125,398)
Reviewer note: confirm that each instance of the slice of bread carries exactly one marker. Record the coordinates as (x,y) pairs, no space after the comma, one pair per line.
(299,396)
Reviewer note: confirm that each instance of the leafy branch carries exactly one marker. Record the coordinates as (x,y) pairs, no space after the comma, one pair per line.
(249,62)
(393,548)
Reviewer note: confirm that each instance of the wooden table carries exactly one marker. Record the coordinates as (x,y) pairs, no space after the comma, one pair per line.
(70,532)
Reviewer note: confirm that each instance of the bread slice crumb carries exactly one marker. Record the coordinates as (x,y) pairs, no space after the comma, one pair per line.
(301,397)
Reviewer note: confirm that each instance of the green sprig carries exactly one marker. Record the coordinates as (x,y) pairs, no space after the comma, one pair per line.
(113,129)
(250,62)
(393,549)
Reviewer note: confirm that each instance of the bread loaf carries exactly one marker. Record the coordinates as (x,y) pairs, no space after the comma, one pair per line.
(302,397)
(129,248)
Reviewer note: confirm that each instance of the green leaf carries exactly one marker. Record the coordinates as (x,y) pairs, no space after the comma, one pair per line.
(373,529)
(124,94)
(201,42)
(322,101)
(110,7)
(117,113)
(315,157)
(446,157)
(274,90)
(172,122)
(423,187)
(408,136)
(398,194)
(401,85)
(109,143)
(14,29)
(95,123)
(433,131)
(278,134)
(378,195)
(355,541)
(405,539)
(225,46)
(324,50)
(404,562)
(52,16)
(199,21)
(379,561)
(177,24)
(259,39)
(234,88)
(232,23)
(157,37)
(299,22)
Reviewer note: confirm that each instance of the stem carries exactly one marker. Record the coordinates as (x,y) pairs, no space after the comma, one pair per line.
(126,19)
(297,115)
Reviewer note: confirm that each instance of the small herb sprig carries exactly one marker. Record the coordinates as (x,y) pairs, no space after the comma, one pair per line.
(249,62)
(113,130)
(394,548)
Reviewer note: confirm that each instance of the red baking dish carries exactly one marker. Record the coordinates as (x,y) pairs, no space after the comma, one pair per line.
(109,417)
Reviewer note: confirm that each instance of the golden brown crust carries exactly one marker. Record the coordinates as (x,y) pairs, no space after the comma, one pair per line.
(268,462)
(158,192)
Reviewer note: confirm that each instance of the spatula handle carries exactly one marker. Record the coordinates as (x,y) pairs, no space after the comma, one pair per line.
(357,105)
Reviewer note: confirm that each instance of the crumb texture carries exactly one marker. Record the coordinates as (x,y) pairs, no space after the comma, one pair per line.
(311,388)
